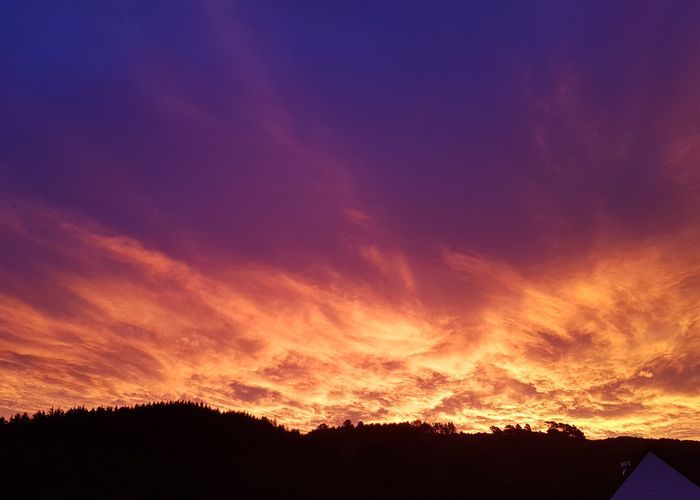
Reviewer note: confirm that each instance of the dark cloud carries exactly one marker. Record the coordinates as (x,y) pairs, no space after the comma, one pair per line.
(678,373)
(291,367)
(606,410)
(550,346)
(252,393)
(455,404)
(19,362)
(375,398)
(432,382)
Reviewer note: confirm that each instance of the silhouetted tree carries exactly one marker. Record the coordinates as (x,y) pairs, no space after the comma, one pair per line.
(566,430)
(445,429)
(511,429)
(135,452)
(423,427)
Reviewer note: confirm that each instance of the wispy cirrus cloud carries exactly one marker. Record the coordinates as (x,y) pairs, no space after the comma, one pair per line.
(609,344)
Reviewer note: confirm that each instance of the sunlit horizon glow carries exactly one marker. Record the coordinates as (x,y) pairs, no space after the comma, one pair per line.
(309,215)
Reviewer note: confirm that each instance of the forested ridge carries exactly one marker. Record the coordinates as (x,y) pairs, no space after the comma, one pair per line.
(188,450)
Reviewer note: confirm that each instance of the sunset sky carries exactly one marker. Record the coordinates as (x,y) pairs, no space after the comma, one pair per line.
(481,212)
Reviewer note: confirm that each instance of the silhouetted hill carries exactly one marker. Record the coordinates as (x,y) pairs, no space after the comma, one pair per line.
(175,450)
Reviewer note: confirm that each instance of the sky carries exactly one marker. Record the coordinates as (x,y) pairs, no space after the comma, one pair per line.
(478,212)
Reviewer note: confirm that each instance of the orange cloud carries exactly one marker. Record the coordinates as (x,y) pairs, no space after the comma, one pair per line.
(608,342)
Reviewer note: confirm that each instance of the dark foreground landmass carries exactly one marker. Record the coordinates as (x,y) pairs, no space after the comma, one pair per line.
(175,450)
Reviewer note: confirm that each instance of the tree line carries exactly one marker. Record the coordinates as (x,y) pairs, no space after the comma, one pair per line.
(189,450)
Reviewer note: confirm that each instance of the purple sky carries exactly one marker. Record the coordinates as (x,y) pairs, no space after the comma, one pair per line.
(482,212)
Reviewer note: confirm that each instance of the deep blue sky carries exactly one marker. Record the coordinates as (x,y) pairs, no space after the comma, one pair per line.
(432,115)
